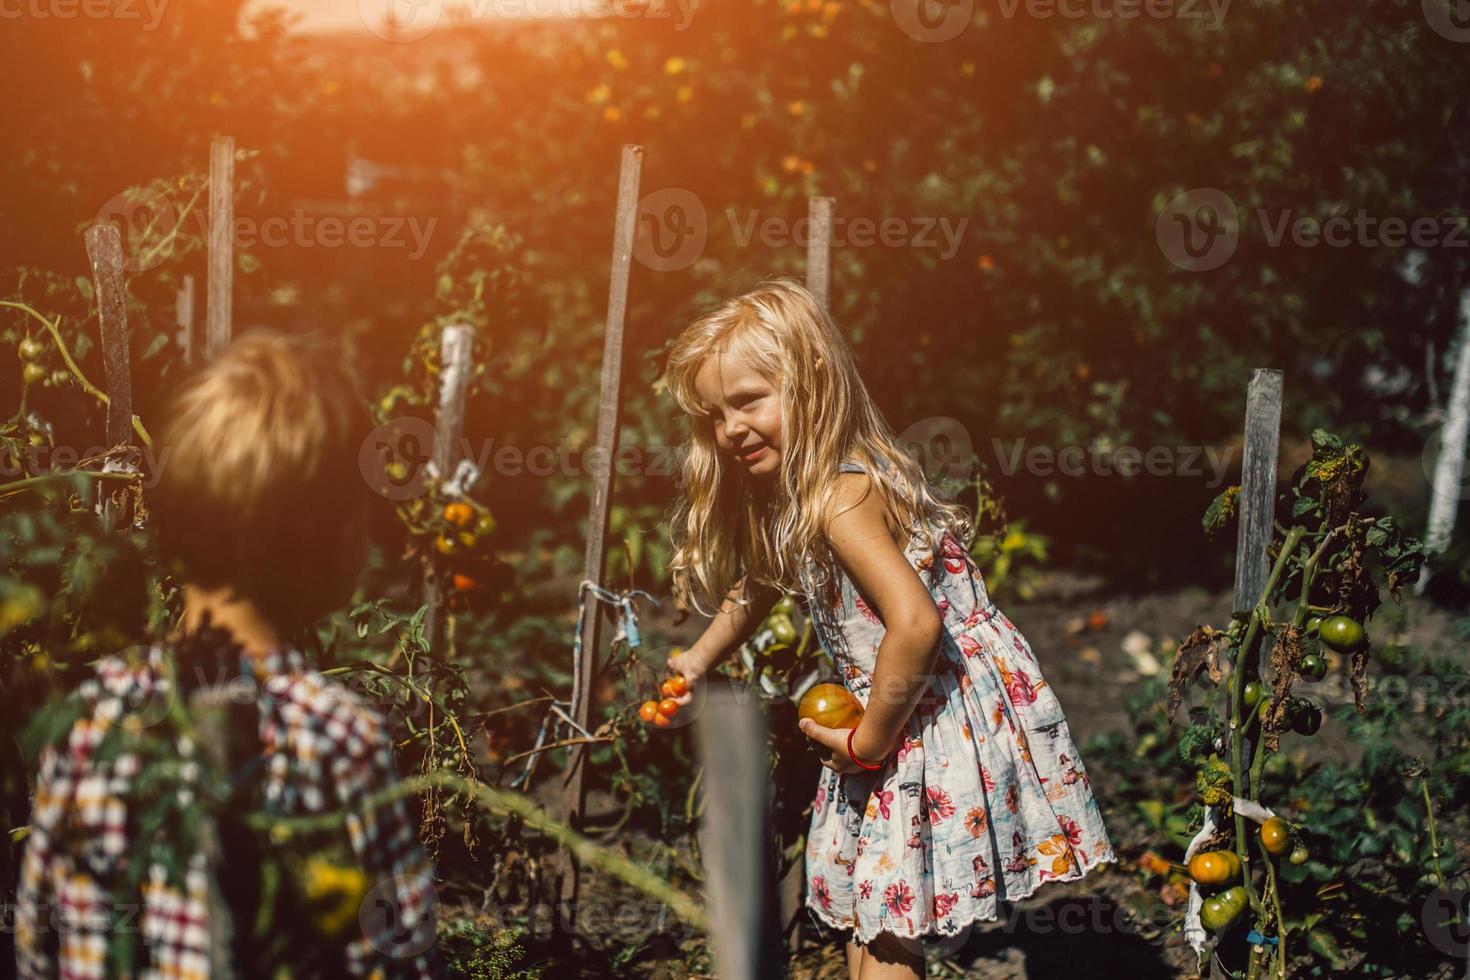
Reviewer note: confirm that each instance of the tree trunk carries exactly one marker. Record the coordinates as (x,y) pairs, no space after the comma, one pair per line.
(1449,471)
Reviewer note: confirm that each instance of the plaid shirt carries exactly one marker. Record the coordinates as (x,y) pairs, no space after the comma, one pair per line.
(322,750)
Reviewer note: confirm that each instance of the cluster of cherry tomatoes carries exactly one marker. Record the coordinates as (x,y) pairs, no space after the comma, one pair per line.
(1218,871)
(660,713)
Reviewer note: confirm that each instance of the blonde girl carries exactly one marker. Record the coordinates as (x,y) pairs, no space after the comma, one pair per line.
(961,785)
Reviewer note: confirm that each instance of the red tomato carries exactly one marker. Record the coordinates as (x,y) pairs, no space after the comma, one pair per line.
(647,710)
(669,707)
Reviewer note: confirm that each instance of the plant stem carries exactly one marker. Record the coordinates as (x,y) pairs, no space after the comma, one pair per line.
(15,486)
(87,386)
(1237,710)
(503,801)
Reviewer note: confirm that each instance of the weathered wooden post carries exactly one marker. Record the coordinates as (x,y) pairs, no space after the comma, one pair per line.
(730,734)
(1257,487)
(104,251)
(1256,512)
(220,285)
(624,229)
(456,345)
(819,248)
(184,320)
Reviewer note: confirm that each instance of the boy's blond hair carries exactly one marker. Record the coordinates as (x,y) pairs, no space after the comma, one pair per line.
(259,485)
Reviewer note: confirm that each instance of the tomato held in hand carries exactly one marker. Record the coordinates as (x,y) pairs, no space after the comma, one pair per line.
(669,707)
(678,685)
(831,706)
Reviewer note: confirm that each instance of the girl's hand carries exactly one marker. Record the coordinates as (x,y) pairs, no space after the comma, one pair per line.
(692,666)
(835,739)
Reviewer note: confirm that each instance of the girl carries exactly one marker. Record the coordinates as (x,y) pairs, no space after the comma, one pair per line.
(961,785)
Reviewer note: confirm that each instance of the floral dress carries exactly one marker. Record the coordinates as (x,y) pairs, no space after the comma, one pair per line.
(986,797)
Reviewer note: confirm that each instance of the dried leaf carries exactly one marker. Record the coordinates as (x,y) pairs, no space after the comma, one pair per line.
(1199,652)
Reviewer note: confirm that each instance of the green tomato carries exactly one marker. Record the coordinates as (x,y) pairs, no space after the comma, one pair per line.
(1342,633)
(32,373)
(1306,719)
(485,523)
(1299,855)
(1219,911)
(783,629)
(1313,624)
(31,349)
(1312,667)
(1254,691)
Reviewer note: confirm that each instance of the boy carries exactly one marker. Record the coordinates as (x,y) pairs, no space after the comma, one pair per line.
(261,513)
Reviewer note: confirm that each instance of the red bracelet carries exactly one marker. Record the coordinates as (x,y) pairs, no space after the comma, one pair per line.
(853,755)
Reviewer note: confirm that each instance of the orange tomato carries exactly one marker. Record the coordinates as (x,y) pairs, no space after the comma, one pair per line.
(831,706)
(679,685)
(669,707)
(647,710)
(463,582)
(667,689)
(459,514)
(1214,867)
(662,720)
(1275,836)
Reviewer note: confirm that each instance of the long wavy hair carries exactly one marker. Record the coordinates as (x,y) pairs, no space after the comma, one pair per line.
(725,525)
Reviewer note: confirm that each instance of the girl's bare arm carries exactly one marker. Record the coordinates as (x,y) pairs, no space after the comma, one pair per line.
(731,627)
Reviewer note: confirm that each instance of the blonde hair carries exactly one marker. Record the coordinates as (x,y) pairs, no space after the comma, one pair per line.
(724,527)
(259,487)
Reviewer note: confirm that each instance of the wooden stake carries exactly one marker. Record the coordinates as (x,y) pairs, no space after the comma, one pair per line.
(456,345)
(184,320)
(1257,487)
(730,734)
(221,245)
(819,248)
(624,230)
(104,250)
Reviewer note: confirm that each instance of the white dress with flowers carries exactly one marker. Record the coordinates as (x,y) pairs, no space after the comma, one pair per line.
(986,790)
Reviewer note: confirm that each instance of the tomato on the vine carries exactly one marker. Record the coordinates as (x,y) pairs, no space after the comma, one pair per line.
(31,349)
(1312,667)
(464,583)
(1342,633)
(1214,867)
(1299,855)
(647,710)
(1253,692)
(1275,835)
(459,514)
(1306,719)
(445,545)
(32,373)
(1221,910)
